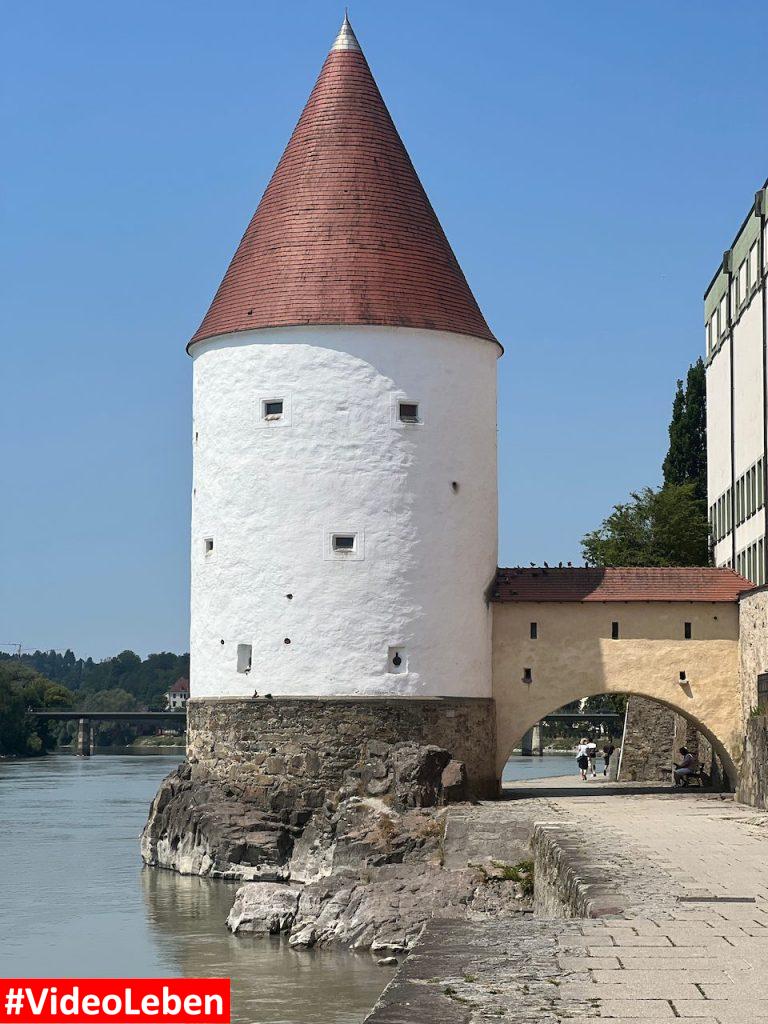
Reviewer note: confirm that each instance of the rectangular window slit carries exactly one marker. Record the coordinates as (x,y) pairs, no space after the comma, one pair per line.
(208,545)
(244,658)
(687,631)
(614,631)
(534,631)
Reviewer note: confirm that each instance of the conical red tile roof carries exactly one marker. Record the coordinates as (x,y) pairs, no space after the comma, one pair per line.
(344,233)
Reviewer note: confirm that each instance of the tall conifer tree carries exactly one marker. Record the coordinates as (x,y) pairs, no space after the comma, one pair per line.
(686,461)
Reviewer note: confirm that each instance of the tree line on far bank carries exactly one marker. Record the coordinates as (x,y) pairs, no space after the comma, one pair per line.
(51,679)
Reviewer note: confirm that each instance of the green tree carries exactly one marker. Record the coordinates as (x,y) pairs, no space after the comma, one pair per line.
(686,460)
(612,703)
(665,526)
(662,527)
(147,680)
(21,688)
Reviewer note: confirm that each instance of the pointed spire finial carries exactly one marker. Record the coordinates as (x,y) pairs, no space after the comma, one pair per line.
(346,39)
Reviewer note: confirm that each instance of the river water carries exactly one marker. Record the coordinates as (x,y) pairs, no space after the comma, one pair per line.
(548,766)
(75,900)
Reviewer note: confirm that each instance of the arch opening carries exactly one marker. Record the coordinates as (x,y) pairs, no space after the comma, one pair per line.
(511,734)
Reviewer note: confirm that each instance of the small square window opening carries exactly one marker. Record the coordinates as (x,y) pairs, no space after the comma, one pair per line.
(687,631)
(343,542)
(534,631)
(273,409)
(614,631)
(408,412)
(527,675)
(208,545)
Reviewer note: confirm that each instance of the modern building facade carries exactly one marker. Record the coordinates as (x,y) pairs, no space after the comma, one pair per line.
(737,399)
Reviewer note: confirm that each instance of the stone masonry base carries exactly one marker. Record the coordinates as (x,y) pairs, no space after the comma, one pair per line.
(295,751)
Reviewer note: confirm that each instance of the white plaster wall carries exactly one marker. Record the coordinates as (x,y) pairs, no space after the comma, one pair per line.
(748,387)
(270,494)
(748,419)
(750,530)
(718,425)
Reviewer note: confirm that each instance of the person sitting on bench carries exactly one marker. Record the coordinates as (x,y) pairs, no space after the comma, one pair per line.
(685,769)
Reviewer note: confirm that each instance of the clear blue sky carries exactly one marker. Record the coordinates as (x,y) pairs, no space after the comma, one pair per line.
(589,163)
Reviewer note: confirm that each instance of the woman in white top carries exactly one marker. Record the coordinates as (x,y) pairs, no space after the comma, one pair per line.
(582,758)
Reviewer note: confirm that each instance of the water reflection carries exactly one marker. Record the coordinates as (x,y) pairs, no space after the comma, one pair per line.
(270,981)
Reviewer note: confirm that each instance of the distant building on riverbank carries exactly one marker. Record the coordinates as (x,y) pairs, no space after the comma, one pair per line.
(178,695)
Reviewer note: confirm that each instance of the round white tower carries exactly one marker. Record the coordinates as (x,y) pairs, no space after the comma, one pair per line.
(344,507)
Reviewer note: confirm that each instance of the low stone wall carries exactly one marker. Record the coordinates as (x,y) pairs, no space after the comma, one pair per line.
(568,881)
(290,753)
(753,781)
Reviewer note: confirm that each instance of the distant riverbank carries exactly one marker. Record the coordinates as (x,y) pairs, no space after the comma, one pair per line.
(170,744)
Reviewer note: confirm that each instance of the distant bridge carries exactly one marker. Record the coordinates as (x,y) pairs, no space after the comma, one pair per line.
(85,719)
(584,716)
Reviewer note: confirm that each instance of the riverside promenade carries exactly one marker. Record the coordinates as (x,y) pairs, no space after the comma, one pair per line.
(682,880)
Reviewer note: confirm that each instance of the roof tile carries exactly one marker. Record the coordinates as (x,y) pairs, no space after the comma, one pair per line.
(344,233)
(617,584)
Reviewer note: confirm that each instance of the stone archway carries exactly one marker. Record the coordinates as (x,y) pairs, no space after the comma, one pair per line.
(573,655)
(506,730)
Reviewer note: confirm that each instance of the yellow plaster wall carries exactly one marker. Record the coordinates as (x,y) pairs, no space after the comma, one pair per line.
(574,656)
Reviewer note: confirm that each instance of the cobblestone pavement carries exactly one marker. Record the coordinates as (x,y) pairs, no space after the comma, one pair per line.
(697,945)
(684,948)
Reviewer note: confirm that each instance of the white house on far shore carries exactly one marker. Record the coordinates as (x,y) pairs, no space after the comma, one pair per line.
(178,695)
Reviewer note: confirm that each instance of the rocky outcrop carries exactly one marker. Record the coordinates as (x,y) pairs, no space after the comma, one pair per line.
(200,825)
(364,869)
(384,913)
(410,773)
(200,828)
(364,833)
(264,908)
(373,876)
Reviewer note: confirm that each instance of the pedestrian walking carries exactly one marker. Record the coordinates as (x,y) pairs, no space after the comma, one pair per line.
(582,758)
